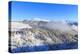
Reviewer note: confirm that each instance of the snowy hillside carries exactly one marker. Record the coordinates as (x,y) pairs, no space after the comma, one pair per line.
(40,33)
(18,25)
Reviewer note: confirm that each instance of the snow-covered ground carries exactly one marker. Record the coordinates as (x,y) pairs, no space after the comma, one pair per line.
(53,32)
(19,25)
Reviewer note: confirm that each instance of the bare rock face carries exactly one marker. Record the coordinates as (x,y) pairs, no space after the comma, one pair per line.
(43,33)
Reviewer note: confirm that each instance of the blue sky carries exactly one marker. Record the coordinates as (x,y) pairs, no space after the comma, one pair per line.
(29,10)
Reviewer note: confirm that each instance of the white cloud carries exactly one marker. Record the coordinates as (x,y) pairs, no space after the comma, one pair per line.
(40,19)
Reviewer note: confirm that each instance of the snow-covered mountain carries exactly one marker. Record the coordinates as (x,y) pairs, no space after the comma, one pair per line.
(39,33)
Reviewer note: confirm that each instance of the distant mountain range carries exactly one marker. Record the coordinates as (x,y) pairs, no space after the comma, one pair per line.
(29,33)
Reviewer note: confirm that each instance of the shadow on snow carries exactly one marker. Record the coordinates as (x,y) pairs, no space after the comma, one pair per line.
(72,45)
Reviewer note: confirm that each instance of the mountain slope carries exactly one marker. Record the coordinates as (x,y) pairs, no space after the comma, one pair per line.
(39,33)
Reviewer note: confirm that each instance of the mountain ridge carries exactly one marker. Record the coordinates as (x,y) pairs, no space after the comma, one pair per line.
(39,33)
